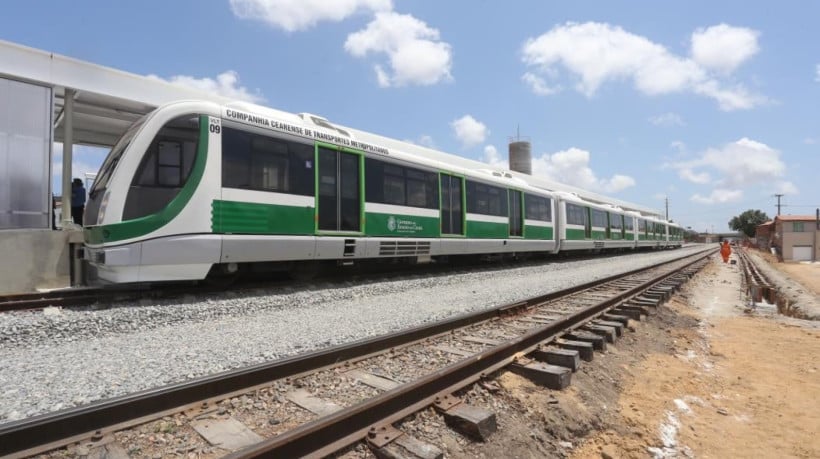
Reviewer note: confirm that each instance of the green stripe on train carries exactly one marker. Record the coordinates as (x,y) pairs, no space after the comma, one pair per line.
(575,234)
(487,230)
(253,218)
(396,225)
(537,232)
(142,226)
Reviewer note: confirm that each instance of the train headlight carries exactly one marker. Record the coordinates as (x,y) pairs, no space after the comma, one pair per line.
(103,205)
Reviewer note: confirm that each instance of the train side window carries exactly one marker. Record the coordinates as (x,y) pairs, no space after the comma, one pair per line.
(422,189)
(169,163)
(615,221)
(164,169)
(576,215)
(599,218)
(537,208)
(388,183)
(394,190)
(258,162)
(393,185)
(269,164)
(486,199)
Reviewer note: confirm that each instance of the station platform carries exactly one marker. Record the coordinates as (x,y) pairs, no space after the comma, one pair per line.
(32,260)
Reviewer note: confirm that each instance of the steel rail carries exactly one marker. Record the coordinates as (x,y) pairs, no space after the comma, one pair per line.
(80,422)
(135,292)
(342,428)
(23,301)
(758,285)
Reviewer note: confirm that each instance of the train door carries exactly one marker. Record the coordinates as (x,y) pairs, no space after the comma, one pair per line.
(587,223)
(516,216)
(339,205)
(623,218)
(452,217)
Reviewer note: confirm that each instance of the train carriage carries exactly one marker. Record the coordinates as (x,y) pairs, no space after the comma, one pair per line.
(592,226)
(196,189)
(194,186)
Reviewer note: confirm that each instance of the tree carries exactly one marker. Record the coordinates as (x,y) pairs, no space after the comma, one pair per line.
(748,221)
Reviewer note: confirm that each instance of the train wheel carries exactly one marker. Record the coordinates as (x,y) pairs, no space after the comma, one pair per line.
(223,275)
(304,270)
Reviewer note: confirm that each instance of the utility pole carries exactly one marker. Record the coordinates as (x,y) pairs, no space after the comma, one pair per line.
(666,200)
(778,196)
(816,229)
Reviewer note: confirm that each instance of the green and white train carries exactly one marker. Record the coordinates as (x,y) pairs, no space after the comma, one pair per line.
(197,189)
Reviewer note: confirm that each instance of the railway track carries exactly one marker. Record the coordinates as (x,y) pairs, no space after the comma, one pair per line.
(87,296)
(357,392)
(758,286)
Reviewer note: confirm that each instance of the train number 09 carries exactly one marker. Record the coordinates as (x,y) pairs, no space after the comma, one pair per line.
(215,126)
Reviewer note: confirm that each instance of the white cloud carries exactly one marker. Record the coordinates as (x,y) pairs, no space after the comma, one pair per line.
(598,52)
(817,76)
(469,131)
(572,167)
(226,84)
(295,15)
(414,51)
(718,196)
(786,187)
(737,98)
(568,166)
(538,85)
(690,175)
(427,141)
(737,165)
(491,157)
(745,162)
(667,119)
(424,140)
(741,163)
(679,146)
(723,47)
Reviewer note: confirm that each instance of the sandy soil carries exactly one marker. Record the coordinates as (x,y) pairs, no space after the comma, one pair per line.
(798,284)
(739,384)
(807,274)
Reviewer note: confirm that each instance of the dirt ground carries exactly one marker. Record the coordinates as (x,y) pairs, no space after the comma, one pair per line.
(739,384)
(702,377)
(807,274)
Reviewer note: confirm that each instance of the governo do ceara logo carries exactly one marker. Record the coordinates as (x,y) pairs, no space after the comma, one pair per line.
(391,223)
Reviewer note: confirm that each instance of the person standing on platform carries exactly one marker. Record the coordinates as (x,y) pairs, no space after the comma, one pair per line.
(725,251)
(77,201)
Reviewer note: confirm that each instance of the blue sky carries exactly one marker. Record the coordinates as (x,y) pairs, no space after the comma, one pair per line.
(711,104)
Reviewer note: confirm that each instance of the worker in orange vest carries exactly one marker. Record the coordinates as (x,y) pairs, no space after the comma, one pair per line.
(725,251)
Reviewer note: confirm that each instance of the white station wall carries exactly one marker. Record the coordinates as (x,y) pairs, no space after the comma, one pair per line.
(25,152)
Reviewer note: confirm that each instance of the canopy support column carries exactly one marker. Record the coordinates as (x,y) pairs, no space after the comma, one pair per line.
(68,150)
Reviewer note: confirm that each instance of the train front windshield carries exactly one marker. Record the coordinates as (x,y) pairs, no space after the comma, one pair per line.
(95,196)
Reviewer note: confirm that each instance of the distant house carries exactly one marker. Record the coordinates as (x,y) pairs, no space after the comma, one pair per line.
(795,237)
(763,235)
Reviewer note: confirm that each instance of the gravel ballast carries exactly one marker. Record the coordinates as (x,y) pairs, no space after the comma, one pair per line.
(58,358)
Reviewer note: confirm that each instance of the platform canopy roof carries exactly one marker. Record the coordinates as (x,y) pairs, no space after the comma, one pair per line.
(106,100)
